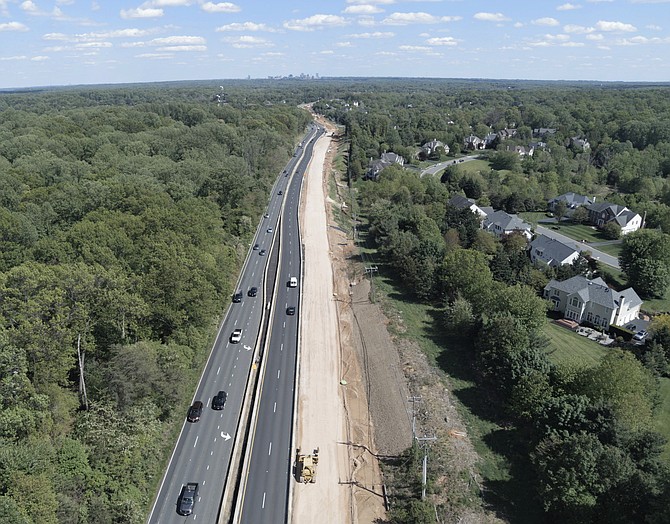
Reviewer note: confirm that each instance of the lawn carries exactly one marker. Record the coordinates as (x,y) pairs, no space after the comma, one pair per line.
(567,347)
(662,418)
(533,217)
(474,166)
(610,249)
(580,232)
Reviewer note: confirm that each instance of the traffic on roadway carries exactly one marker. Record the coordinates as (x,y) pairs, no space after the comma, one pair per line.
(204,449)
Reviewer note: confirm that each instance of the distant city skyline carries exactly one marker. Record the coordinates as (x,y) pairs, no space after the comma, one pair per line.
(68,42)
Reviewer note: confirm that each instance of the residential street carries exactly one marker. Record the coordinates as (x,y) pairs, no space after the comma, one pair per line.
(432,170)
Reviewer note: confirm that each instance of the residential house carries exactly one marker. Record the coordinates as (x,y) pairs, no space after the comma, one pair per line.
(592,301)
(506,133)
(521,150)
(473,143)
(490,139)
(377,166)
(544,132)
(502,224)
(430,147)
(551,252)
(603,212)
(572,201)
(580,142)
(539,145)
(461,202)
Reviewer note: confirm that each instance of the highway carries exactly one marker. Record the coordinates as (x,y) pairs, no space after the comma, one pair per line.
(266,492)
(203,450)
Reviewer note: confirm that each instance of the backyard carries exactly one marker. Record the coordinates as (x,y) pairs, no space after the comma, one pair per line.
(566,346)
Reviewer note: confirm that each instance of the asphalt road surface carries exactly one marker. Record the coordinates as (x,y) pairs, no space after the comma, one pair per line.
(579,246)
(203,450)
(265,495)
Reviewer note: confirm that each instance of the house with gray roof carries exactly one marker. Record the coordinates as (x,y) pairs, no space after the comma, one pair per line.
(377,166)
(473,142)
(603,212)
(502,224)
(461,202)
(431,146)
(592,301)
(551,252)
(572,201)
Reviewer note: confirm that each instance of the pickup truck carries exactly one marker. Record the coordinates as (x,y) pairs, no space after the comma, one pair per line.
(187,498)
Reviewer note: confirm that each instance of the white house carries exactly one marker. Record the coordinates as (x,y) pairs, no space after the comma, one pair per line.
(551,252)
(461,202)
(604,212)
(502,224)
(592,301)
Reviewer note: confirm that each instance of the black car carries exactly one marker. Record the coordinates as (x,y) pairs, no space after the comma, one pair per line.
(262,252)
(256,247)
(237,297)
(194,412)
(219,401)
(280,192)
(253,291)
(290,310)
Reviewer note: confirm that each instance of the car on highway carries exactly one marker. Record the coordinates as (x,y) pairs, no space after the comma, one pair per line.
(187,497)
(194,412)
(280,192)
(262,252)
(269,230)
(236,336)
(256,247)
(219,401)
(237,297)
(253,291)
(290,310)
(266,215)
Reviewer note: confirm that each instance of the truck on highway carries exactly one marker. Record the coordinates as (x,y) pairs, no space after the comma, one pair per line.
(187,498)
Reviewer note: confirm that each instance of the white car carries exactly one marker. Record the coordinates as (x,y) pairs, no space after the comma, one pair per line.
(640,335)
(236,336)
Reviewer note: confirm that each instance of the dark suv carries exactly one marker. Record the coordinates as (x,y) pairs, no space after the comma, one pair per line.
(253,291)
(219,401)
(237,297)
(194,412)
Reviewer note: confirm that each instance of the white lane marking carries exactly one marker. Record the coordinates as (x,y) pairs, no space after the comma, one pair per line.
(218,370)
(263,506)
(281,348)
(275,408)
(207,467)
(278,372)
(196,441)
(270,449)
(230,384)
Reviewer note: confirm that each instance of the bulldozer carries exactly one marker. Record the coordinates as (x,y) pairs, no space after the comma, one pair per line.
(305,466)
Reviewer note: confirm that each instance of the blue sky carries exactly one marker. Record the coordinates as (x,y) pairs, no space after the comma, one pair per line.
(64,42)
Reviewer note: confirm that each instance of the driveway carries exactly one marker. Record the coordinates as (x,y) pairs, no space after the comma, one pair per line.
(579,246)
(436,168)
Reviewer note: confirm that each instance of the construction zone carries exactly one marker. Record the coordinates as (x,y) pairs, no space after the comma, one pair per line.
(305,466)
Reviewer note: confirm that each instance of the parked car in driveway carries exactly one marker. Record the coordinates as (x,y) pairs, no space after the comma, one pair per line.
(640,335)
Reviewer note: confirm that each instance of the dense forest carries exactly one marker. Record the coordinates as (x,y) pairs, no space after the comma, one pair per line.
(125,215)
(580,439)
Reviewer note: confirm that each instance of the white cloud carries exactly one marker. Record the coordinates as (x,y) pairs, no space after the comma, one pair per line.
(444,40)
(13,26)
(244,26)
(595,37)
(246,41)
(344,44)
(568,7)
(178,40)
(39,58)
(547,20)
(93,45)
(572,44)
(377,2)
(30,7)
(417,18)
(141,13)
(518,25)
(363,9)
(414,48)
(315,22)
(156,56)
(654,27)
(491,17)
(637,40)
(221,7)
(603,25)
(578,29)
(167,3)
(8,58)
(376,34)
(181,48)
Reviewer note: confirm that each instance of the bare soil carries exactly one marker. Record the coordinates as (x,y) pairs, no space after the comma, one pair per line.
(355,380)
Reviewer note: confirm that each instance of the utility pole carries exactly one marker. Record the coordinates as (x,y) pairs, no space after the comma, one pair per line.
(371,270)
(424,475)
(414,400)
